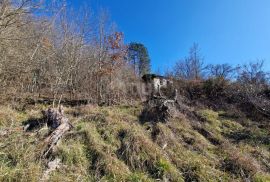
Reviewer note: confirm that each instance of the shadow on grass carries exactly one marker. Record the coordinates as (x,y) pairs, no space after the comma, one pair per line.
(249,136)
(33,124)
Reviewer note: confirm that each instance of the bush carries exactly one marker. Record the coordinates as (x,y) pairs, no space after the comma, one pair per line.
(215,87)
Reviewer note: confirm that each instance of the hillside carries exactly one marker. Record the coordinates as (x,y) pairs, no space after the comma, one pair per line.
(127,115)
(112,144)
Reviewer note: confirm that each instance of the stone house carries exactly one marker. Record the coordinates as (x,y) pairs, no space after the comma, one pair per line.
(156,85)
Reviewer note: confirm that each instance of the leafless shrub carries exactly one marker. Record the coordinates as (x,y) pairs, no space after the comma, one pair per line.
(191,67)
(253,73)
(224,71)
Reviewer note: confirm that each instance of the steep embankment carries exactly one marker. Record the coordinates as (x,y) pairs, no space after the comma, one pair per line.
(111,144)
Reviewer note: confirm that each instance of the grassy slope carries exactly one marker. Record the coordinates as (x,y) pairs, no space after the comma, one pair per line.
(110,144)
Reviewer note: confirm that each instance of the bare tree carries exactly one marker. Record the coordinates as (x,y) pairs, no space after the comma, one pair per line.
(225,71)
(190,68)
(253,73)
(61,54)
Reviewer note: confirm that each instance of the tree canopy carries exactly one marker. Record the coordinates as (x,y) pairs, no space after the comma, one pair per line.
(139,58)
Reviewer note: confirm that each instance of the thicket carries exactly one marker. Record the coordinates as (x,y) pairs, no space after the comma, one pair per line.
(50,51)
(245,87)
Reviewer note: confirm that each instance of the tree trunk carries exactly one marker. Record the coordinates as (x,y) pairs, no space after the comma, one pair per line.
(59,124)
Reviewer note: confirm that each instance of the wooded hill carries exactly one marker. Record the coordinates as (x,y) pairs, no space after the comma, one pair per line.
(50,55)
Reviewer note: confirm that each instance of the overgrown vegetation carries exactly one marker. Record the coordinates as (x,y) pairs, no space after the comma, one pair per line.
(221,131)
(49,51)
(110,144)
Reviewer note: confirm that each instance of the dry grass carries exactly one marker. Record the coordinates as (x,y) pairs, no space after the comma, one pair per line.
(238,163)
(110,144)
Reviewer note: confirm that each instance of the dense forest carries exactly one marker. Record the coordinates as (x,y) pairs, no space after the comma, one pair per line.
(52,55)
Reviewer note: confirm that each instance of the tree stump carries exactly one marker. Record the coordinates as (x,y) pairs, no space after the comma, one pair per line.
(159,109)
(59,124)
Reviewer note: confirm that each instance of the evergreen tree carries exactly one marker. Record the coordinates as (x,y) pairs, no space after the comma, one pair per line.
(139,58)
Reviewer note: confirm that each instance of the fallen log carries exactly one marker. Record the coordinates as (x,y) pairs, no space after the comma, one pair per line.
(59,124)
(51,166)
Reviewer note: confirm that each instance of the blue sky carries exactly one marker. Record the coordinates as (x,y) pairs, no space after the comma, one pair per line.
(227,31)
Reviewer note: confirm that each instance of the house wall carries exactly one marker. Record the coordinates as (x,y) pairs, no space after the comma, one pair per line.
(152,87)
(156,84)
